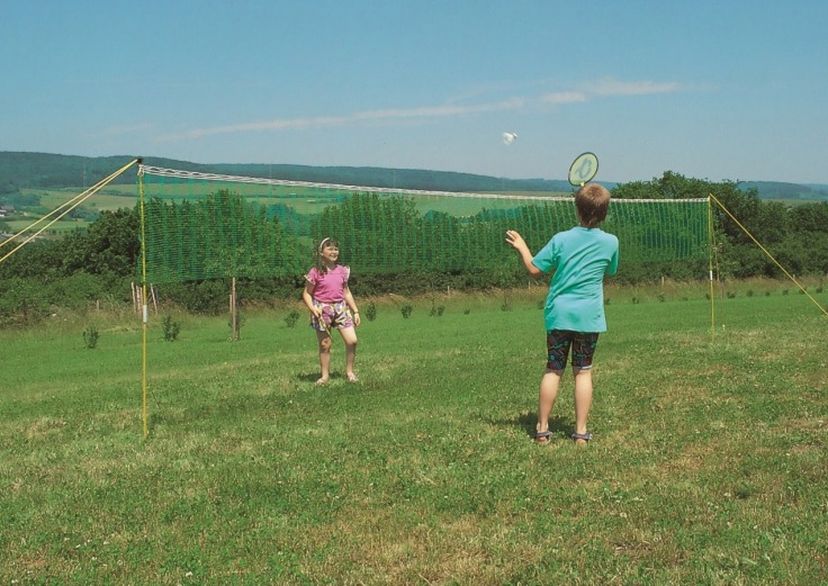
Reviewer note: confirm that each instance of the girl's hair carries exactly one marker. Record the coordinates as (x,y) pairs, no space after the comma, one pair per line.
(317,255)
(592,202)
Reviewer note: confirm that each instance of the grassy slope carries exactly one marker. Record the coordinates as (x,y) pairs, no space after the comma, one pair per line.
(708,464)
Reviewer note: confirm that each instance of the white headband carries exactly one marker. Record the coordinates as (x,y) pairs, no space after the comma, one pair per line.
(322,244)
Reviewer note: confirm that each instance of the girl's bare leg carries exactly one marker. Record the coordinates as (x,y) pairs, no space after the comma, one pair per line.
(350,338)
(325,342)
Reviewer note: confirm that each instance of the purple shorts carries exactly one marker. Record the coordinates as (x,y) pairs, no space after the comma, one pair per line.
(334,316)
(558,343)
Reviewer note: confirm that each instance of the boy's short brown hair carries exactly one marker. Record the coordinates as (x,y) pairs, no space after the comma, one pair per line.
(592,202)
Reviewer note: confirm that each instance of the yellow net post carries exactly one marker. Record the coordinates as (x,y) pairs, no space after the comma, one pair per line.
(710,267)
(144,312)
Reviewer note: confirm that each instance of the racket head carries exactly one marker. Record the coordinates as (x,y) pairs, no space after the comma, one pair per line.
(583,169)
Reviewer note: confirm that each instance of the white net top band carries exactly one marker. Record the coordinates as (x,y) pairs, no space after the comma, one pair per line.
(197,175)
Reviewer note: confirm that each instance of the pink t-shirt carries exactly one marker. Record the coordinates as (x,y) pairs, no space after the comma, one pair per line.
(329,287)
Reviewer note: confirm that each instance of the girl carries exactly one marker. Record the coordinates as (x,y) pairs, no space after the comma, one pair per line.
(331,305)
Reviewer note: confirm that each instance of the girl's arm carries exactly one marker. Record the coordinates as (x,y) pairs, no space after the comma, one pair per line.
(307,297)
(349,299)
(515,240)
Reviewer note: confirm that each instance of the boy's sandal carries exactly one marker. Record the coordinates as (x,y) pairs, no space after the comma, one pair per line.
(543,437)
(581,437)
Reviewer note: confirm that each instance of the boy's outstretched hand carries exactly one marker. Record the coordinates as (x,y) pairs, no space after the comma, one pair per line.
(515,240)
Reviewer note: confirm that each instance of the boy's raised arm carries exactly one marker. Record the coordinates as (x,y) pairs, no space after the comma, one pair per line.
(515,240)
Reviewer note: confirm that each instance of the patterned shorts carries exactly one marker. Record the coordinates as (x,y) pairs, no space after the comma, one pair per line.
(557,348)
(334,315)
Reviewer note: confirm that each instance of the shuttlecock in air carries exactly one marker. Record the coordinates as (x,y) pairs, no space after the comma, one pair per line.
(509,137)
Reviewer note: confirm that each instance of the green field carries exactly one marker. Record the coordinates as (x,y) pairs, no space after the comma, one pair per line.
(708,464)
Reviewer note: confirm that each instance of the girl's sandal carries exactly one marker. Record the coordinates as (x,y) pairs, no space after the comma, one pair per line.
(543,437)
(581,438)
(352,378)
(321,382)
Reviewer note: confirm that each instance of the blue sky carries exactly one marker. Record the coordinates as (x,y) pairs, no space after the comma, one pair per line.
(710,89)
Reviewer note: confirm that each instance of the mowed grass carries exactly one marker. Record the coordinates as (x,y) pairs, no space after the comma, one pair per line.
(708,464)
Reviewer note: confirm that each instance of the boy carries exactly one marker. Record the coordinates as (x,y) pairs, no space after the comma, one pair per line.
(574,311)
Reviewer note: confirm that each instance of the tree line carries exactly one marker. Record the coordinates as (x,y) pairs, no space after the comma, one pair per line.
(392,247)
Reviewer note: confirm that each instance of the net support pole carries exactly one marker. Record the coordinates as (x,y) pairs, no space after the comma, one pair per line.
(710,266)
(144,312)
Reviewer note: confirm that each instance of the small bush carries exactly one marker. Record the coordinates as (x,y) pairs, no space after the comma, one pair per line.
(292,318)
(784,291)
(802,291)
(170,328)
(406,310)
(371,311)
(606,300)
(661,298)
(90,337)
(731,294)
(749,293)
(440,310)
(767,293)
(466,311)
(819,289)
(635,300)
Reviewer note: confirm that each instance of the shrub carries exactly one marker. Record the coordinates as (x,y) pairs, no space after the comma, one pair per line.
(90,337)
(466,311)
(406,310)
(661,298)
(170,328)
(749,293)
(371,311)
(292,318)
(731,294)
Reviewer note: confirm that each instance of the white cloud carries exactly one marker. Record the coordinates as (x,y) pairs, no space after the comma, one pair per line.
(563,98)
(610,87)
(598,89)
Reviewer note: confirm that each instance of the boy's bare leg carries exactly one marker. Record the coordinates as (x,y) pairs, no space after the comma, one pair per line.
(583,398)
(350,338)
(325,342)
(546,397)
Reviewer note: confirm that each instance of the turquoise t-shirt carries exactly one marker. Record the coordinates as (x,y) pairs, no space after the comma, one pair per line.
(580,258)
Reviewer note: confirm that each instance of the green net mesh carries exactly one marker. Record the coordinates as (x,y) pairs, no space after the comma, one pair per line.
(203,226)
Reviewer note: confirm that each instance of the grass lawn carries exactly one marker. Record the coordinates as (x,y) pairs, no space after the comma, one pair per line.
(708,464)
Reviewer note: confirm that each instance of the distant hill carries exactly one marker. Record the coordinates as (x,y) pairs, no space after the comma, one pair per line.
(19,169)
(781,190)
(22,169)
